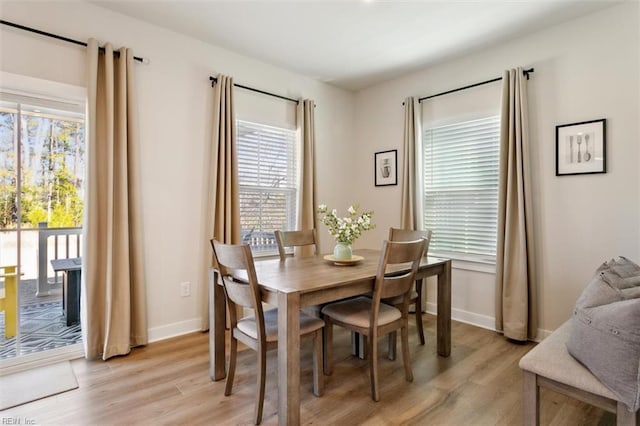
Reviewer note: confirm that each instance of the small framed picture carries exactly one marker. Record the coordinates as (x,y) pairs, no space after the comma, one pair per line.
(386,167)
(581,148)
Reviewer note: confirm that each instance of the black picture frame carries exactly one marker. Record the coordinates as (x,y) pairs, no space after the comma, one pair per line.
(385,167)
(581,148)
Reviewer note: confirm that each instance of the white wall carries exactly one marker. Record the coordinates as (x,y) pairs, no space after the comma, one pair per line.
(174,103)
(587,68)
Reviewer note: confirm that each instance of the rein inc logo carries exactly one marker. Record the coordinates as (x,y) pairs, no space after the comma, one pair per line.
(16,421)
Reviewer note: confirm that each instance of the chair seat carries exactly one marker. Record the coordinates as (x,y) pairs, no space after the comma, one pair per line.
(247,325)
(413,296)
(358,312)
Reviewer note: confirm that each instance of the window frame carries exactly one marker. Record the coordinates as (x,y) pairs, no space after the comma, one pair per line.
(289,192)
(484,261)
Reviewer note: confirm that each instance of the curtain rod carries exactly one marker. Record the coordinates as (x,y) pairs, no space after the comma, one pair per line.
(525,72)
(68,40)
(214,79)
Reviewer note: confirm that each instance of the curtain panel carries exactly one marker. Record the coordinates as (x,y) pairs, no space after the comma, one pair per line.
(516,292)
(114,313)
(222,214)
(307,192)
(410,207)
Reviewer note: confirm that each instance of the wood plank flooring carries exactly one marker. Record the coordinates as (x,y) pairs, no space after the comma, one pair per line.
(167,383)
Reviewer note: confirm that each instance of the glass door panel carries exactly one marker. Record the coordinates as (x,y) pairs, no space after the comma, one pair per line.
(41,208)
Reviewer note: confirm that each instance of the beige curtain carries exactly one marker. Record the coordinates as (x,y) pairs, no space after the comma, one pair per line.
(516,307)
(113,293)
(222,215)
(410,207)
(307,193)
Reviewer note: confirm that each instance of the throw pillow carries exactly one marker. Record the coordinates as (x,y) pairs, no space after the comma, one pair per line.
(605,333)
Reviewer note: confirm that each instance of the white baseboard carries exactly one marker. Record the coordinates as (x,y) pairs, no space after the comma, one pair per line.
(175,329)
(482,321)
(478,320)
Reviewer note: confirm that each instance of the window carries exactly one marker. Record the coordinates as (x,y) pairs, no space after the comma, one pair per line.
(267,169)
(460,163)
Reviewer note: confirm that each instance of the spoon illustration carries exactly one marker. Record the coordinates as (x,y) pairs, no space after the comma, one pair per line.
(587,155)
(579,141)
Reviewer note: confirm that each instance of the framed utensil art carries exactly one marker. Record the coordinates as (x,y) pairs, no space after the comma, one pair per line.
(581,148)
(386,167)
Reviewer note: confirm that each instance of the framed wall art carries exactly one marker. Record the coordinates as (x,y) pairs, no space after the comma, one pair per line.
(386,167)
(581,148)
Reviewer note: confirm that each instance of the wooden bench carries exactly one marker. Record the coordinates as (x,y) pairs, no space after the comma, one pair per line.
(550,365)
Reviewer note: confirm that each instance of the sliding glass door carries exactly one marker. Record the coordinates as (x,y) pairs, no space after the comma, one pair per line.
(42,165)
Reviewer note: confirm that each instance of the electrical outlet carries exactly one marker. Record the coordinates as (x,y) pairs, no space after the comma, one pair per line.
(185,289)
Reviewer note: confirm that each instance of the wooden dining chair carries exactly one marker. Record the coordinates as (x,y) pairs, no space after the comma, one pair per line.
(396,234)
(237,271)
(294,239)
(371,318)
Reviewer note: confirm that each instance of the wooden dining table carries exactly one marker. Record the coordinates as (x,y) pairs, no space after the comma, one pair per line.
(298,282)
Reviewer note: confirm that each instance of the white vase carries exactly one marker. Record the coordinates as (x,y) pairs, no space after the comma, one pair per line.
(342,251)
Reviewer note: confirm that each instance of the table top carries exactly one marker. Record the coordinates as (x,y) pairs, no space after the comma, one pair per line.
(71,264)
(314,273)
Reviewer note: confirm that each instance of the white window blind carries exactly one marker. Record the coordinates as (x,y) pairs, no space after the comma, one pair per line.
(461,188)
(267,171)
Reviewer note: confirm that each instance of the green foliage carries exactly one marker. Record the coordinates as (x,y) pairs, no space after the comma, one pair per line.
(52,153)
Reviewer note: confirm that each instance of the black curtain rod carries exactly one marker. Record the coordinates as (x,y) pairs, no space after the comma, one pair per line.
(525,72)
(214,79)
(68,40)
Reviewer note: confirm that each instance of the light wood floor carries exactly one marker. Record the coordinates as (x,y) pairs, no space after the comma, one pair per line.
(168,383)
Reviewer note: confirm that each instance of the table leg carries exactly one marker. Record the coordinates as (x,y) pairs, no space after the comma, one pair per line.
(216,329)
(72,296)
(288,358)
(444,311)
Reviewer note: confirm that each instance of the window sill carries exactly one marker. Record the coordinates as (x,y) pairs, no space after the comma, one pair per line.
(466,265)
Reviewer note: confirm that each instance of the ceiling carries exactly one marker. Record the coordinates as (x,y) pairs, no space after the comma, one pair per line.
(349,43)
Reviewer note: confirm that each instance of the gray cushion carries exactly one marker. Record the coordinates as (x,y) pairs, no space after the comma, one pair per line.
(248,325)
(357,311)
(605,333)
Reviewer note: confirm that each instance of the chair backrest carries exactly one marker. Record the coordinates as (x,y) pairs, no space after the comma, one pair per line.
(397,234)
(302,238)
(237,271)
(389,282)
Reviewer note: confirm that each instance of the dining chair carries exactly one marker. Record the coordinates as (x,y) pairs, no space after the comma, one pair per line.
(9,299)
(396,234)
(294,239)
(237,272)
(304,238)
(371,318)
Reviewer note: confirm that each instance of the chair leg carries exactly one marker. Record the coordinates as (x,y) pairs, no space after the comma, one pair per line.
(419,321)
(391,343)
(328,347)
(233,352)
(408,374)
(373,366)
(318,377)
(419,311)
(262,375)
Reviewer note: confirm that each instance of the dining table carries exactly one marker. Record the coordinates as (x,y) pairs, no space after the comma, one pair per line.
(298,282)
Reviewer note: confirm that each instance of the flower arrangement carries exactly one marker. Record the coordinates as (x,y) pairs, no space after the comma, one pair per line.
(346,229)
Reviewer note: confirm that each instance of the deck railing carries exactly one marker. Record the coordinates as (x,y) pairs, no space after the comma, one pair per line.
(67,243)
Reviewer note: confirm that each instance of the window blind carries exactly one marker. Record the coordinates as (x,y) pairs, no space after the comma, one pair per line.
(267,180)
(461,188)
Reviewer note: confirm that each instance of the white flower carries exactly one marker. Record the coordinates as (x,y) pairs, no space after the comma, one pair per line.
(347,229)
